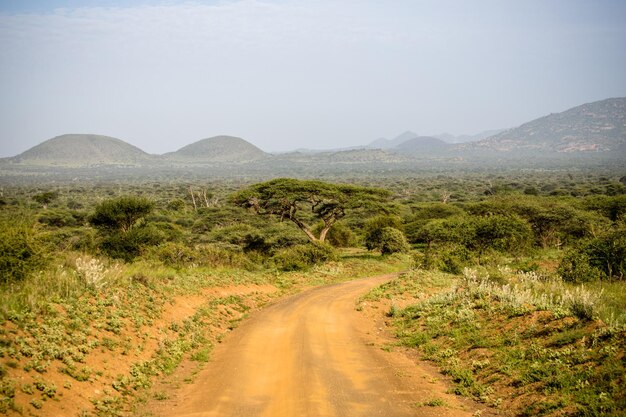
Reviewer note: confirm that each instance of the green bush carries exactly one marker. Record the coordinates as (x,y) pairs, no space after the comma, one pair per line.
(392,240)
(301,257)
(127,246)
(21,250)
(179,255)
(575,267)
(601,258)
(173,254)
(454,259)
(608,253)
(62,218)
(120,214)
(176,205)
(374,229)
(507,234)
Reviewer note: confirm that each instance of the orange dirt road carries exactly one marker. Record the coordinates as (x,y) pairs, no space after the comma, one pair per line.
(311,354)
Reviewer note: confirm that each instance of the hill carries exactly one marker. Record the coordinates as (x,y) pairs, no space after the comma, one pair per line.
(382,143)
(449,138)
(74,150)
(593,127)
(423,145)
(218,149)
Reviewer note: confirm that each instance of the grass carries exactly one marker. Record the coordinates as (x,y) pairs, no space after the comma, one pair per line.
(534,335)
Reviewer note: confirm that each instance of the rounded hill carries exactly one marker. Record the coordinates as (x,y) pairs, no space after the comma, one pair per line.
(82,150)
(218,149)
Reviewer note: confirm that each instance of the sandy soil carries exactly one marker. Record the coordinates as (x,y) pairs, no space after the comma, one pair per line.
(313,354)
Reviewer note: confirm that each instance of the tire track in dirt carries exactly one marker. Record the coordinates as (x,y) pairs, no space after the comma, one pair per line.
(311,354)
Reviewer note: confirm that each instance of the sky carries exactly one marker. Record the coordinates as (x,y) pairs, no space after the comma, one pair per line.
(288,74)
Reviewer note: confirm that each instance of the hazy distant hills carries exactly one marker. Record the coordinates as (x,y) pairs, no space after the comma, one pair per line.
(422,145)
(413,143)
(83,150)
(382,143)
(595,127)
(594,130)
(217,149)
(449,138)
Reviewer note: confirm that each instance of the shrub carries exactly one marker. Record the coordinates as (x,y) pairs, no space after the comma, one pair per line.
(509,234)
(608,253)
(120,214)
(575,267)
(392,240)
(374,228)
(173,254)
(21,252)
(127,246)
(301,257)
(176,205)
(178,255)
(600,258)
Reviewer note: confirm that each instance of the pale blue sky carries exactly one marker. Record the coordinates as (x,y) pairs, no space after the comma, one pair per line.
(291,74)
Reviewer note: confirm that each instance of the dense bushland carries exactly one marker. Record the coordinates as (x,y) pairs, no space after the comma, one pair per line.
(81,249)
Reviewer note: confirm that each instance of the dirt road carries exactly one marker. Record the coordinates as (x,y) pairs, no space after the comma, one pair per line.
(311,354)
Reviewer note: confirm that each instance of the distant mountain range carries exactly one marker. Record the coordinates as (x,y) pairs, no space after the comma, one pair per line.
(398,141)
(593,128)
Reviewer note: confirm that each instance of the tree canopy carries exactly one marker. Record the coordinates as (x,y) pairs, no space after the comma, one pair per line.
(120,214)
(293,199)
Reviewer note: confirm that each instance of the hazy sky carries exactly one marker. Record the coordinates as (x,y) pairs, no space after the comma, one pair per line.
(288,74)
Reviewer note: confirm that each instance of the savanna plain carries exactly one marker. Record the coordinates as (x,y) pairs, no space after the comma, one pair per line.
(502,291)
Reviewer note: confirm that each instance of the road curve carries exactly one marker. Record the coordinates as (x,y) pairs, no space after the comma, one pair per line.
(306,355)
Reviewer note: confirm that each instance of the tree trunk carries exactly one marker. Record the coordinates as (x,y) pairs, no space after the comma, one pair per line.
(193,199)
(305,229)
(323,233)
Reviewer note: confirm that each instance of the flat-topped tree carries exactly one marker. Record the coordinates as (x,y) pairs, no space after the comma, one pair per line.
(288,198)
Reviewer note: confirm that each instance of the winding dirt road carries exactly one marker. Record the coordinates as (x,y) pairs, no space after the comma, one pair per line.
(311,354)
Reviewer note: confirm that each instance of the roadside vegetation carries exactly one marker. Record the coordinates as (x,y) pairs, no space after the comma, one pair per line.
(516,288)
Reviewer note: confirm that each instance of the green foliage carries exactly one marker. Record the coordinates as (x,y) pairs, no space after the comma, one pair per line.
(374,228)
(613,207)
(62,218)
(286,197)
(575,267)
(120,214)
(21,250)
(554,221)
(46,198)
(179,255)
(426,212)
(507,234)
(392,240)
(339,236)
(302,257)
(600,258)
(123,237)
(176,204)
(127,246)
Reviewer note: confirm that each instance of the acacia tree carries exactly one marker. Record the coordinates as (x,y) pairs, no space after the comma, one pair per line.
(120,214)
(120,222)
(45,198)
(289,198)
